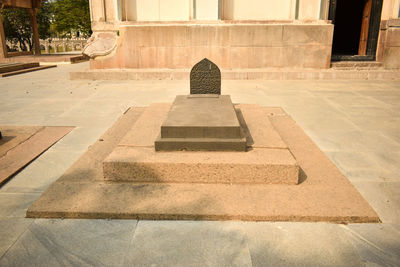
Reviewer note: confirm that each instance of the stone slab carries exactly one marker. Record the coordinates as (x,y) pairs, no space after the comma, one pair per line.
(72,243)
(19,155)
(201,116)
(264,166)
(10,67)
(150,121)
(205,78)
(324,194)
(11,73)
(200,144)
(263,134)
(237,74)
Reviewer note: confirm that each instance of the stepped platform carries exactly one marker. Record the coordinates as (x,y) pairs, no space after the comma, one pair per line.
(88,189)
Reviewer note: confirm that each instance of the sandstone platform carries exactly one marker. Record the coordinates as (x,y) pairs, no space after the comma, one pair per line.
(323,193)
(271,164)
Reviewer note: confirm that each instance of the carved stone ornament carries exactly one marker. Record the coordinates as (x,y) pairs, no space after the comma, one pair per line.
(100,44)
(205,78)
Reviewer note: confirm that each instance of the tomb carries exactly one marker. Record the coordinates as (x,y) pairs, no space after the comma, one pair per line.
(175,162)
(205,120)
(199,139)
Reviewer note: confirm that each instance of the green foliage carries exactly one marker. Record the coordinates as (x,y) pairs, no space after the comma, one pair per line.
(55,18)
(44,18)
(72,16)
(17,26)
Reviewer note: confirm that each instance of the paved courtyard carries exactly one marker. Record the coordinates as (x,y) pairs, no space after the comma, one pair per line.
(355,123)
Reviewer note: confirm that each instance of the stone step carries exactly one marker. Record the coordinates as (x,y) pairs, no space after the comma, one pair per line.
(357,65)
(26,70)
(201,144)
(242,74)
(258,166)
(10,67)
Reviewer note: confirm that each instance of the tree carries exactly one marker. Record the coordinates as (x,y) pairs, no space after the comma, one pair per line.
(72,16)
(18,28)
(44,18)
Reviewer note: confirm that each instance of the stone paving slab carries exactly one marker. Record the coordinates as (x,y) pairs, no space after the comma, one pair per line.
(23,150)
(71,243)
(188,243)
(323,195)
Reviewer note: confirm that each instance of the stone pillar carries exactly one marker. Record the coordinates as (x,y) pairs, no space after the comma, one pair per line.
(55,48)
(64,46)
(3,46)
(46,48)
(32,13)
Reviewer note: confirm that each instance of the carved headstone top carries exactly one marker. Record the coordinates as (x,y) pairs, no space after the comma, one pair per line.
(205,78)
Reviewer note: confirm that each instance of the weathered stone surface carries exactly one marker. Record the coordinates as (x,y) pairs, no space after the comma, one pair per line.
(205,78)
(323,195)
(201,122)
(201,116)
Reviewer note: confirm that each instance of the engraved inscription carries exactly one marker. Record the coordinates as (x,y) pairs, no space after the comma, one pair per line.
(205,78)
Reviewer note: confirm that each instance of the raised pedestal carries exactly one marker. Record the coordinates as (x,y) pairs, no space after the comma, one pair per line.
(205,122)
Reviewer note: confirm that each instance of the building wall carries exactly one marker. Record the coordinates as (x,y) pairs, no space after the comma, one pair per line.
(257,10)
(157,10)
(129,20)
(206,9)
(389,35)
(230,46)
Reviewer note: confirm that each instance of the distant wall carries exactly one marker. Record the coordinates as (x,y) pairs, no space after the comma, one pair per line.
(230,46)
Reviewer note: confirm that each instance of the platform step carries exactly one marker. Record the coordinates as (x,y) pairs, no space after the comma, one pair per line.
(240,74)
(200,144)
(357,65)
(11,67)
(21,71)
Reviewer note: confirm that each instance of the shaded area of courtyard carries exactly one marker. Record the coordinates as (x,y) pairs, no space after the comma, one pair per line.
(355,123)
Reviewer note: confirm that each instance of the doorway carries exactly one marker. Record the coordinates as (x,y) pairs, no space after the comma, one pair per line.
(356,29)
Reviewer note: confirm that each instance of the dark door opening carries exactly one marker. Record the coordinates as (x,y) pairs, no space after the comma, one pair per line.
(356,29)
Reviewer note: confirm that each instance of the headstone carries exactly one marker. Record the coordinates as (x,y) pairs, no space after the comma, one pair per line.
(205,78)
(205,120)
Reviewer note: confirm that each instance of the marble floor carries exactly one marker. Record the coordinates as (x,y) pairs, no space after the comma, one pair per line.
(355,123)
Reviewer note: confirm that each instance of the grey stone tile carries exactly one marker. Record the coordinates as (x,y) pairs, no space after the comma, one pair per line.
(393,134)
(370,175)
(382,124)
(72,243)
(185,243)
(347,161)
(356,140)
(354,101)
(388,160)
(43,171)
(383,197)
(300,244)
(15,204)
(80,138)
(10,230)
(378,245)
